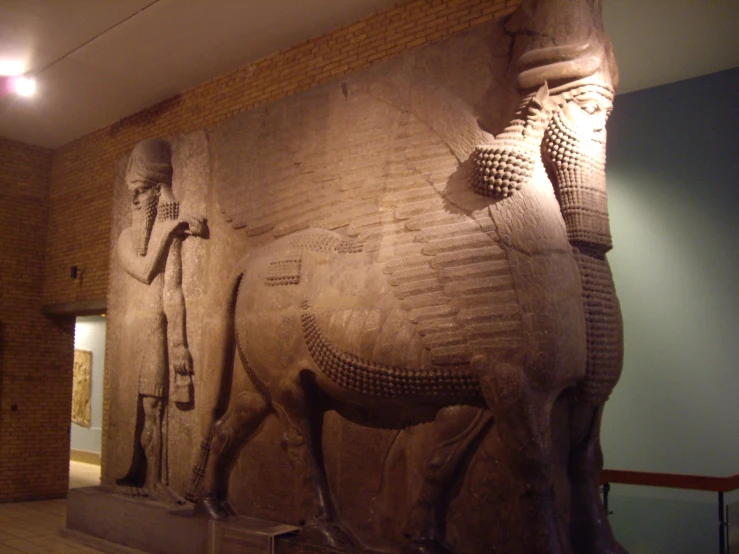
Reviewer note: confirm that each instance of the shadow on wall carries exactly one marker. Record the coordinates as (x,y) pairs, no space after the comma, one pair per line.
(692,526)
(672,170)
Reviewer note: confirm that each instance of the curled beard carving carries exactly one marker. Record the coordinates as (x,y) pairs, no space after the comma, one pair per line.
(142,222)
(507,163)
(168,211)
(579,167)
(502,168)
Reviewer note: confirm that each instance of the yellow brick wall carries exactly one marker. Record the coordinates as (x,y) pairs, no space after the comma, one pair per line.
(35,352)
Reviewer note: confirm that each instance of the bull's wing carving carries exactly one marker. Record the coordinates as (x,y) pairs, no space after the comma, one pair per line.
(329,158)
(322,161)
(374,163)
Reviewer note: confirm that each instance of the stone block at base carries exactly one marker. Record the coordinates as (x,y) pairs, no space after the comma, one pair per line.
(154,527)
(135,522)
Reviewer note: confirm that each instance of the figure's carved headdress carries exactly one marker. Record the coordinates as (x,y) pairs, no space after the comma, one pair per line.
(561,43)
(150,161)
(558,46)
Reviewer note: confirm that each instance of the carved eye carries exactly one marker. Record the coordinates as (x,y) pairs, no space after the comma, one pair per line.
(590,108)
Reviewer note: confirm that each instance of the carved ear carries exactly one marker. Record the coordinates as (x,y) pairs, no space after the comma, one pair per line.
(541,97)
(540,101)
(538,113)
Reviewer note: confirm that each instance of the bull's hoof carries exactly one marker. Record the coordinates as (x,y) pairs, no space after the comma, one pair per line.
(425,545)
(327,534)
(212,508)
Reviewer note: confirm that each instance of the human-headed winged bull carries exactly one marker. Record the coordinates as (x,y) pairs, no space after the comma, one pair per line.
(426,271)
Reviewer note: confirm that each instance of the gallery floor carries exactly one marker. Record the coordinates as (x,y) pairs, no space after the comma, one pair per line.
(33,527)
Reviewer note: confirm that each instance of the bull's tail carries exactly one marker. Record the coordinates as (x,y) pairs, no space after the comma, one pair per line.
(216,403)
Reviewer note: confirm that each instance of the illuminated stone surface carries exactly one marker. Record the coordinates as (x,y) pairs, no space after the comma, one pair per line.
(413,256)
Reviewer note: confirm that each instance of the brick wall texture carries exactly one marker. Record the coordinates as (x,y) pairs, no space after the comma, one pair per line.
(68,211)
(35,352)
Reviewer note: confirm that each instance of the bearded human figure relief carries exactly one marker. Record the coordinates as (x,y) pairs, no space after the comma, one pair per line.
(407,267)
(155,320)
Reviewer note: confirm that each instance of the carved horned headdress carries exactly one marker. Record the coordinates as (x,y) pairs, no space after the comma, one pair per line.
(559,51)
(150,162)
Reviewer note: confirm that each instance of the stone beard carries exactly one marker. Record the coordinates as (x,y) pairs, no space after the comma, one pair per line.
(576,153)
(142,222)
(574,149)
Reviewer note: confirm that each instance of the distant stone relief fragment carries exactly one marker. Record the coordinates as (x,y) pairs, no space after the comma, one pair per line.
(81,387)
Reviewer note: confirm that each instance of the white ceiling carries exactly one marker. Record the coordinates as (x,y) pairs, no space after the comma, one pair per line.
(100,60)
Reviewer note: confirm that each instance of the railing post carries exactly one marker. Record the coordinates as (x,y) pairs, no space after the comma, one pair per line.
(606,490)
(721,524)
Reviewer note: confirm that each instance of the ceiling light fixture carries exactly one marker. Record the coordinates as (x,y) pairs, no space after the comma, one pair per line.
(14,74)
(21,85)
(24,86)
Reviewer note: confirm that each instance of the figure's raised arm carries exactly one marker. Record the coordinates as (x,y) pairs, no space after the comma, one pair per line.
(145,267)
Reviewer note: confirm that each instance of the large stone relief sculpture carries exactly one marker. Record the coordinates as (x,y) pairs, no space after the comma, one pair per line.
(149,251)
(405,289)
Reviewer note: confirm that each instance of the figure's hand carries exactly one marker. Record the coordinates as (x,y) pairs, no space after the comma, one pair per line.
(193,225)
(181,360)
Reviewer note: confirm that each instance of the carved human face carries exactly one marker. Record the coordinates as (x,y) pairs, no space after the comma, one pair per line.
(144,195)
(144,199)
(586,115)
(576,136)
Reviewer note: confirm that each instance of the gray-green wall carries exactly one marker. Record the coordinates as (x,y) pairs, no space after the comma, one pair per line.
(673,178)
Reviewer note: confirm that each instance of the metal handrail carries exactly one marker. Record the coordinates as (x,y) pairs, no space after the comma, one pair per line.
(720,485)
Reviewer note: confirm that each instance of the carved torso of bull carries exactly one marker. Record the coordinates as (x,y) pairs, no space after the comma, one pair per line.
(382,333)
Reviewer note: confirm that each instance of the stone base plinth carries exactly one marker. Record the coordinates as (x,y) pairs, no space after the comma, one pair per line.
(159,528)
(135,522)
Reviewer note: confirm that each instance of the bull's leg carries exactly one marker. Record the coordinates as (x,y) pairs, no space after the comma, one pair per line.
(522,413)
(243,417)
(455,430)
(297,406)
(590,532)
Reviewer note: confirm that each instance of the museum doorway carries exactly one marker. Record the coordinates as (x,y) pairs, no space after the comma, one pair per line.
(87,401)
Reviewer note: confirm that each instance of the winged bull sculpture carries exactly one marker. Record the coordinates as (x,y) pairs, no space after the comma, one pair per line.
(464,285)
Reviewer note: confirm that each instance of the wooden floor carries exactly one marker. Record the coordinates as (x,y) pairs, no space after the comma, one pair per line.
(83,475)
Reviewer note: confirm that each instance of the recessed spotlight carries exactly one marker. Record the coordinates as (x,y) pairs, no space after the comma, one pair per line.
(24,86)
